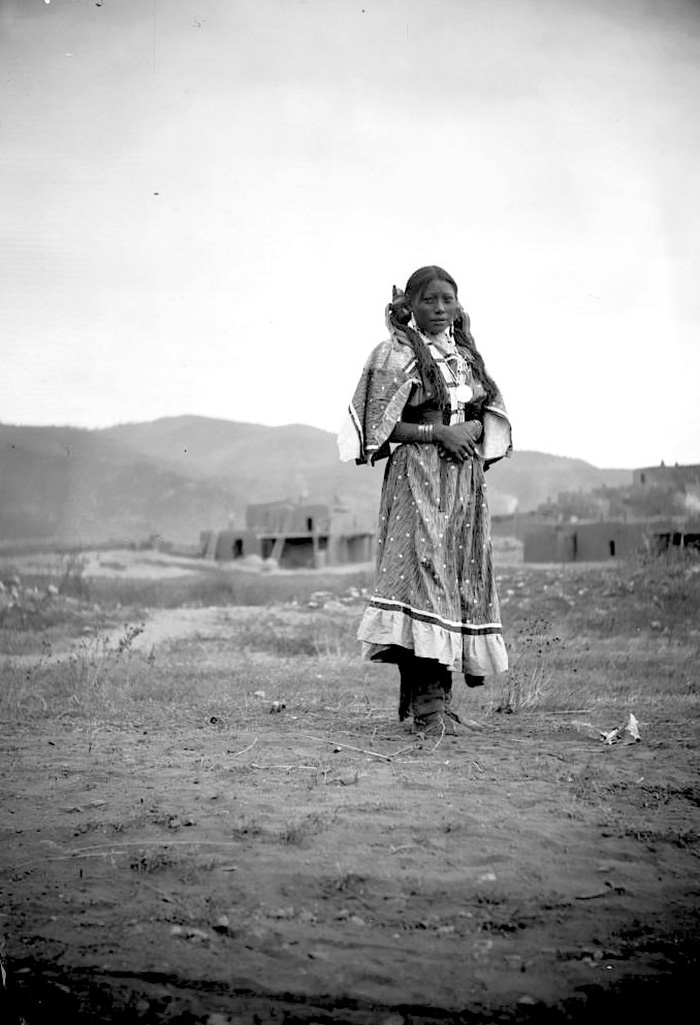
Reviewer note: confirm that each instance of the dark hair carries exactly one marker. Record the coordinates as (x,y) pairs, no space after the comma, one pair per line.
(421,278)
(400,315)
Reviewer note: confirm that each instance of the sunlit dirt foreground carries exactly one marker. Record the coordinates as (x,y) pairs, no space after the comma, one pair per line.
(222,821)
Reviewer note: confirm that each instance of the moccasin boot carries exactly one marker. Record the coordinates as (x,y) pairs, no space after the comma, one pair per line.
(406,690)
(437,724)
(446,679)
(430,697)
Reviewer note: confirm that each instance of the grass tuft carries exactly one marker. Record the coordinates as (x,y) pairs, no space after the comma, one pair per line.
(305,657)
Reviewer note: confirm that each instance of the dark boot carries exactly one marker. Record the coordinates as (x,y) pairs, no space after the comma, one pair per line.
(434,687)
(473,681)
(445,677)
(406,688)
(428,689)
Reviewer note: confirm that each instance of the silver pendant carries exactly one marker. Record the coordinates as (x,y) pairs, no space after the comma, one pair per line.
(464,393)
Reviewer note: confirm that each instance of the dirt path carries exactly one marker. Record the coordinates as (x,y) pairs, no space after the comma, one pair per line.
(163,625)
(159,627)
(296,867)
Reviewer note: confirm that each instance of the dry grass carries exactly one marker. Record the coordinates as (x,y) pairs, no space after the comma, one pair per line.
(307,658)
(200,584)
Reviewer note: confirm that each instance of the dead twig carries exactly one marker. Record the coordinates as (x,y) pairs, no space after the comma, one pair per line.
(104,850)
(440,738)
(169,898)
(286,768)
(349,747)
(408,747)
(243,751)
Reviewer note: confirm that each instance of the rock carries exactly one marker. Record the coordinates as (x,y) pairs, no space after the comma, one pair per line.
(319,955)
(189,933)
(287,912)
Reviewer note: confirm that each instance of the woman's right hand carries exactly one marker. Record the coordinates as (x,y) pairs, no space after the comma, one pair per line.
(457,442)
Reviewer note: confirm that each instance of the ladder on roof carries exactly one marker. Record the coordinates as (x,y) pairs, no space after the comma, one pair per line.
(278,546)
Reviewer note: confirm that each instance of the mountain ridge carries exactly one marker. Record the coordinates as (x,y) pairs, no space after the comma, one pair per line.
(176,476)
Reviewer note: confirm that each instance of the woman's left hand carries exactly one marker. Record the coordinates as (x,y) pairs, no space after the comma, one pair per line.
(468,435)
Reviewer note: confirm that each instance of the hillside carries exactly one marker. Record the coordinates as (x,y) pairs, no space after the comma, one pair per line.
(75,484)
(534,477)
(179,475)
(253,463)
(248,459)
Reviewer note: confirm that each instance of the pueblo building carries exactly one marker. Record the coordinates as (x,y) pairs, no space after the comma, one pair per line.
(295,535)
(670,497)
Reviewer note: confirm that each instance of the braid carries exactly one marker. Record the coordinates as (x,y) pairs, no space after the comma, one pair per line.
(465,339)
(430,373)
(398,318)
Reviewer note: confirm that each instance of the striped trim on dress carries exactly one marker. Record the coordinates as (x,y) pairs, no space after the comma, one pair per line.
(433,619)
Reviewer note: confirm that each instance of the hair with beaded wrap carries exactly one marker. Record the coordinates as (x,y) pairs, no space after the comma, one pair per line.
(400,316)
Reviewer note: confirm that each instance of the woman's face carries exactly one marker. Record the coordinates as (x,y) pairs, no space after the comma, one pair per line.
(435,308)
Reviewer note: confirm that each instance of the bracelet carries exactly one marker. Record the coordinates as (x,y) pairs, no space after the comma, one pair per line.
(425,432)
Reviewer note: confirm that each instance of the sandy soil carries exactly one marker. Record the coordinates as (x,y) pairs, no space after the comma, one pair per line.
(291,867)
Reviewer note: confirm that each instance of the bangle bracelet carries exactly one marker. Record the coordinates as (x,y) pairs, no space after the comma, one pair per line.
(425,432)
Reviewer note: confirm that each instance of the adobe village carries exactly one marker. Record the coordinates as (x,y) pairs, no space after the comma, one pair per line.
(211,813)
(660,510)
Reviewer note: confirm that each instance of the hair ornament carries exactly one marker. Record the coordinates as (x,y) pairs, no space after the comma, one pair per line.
(398,312)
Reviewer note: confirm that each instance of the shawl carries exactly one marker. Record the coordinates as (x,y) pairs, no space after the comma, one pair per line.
(385,385)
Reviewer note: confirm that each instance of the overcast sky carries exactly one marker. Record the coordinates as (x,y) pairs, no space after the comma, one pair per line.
(205,204)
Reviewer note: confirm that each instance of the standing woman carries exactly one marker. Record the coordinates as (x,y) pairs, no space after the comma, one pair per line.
(434,609)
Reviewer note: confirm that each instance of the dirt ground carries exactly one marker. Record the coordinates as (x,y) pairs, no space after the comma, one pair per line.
(294,866)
